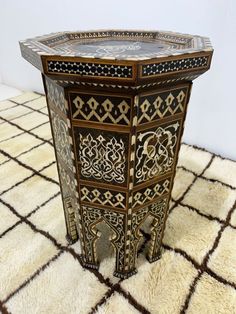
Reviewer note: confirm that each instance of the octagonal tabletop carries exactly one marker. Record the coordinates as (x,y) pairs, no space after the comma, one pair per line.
(125,56)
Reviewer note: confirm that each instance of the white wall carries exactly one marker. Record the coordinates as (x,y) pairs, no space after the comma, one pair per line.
(212,111)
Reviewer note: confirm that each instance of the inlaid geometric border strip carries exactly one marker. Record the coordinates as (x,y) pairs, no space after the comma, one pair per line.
(173,66)
(179,79)
(93,69)
(122,71)
(114,287)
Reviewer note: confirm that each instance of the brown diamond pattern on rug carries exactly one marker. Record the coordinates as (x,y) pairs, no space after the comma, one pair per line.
(8,131)
(41,273)
(43,131)
(50,219)
(25,97)
(64,284)
(212,296)
(162,285)
(211,198)
(11,173)
(195,241)
(35,160)
(223,260)
(22,252)
(20,197)
(16,146)
(181,182)
(223,170)
(117,304)
(193,159)
(30,122)
(7,220)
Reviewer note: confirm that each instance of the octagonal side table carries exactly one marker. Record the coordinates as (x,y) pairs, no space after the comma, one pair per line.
(117,101)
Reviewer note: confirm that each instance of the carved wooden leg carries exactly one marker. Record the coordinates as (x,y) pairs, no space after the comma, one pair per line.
(126,254)
(120,225)
(70,218)
(90,218)
(157,227)
(62,137)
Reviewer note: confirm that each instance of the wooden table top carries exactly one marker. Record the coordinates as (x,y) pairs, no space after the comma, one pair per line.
(118,54)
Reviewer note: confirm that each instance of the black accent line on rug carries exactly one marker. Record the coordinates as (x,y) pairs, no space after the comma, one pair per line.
(23,153)
(205,260)
(206,178)
(29,168)
(26,131)
(188,170)
(43,204)
(183,254)
(35,274)
(32,110)
(132,301)
(218,181)
(198,266)
(206,151)
(27,178)
(190,186)
(10,228)
(38,93)
(25,102)
(208,216)
(35,110)
(103,300)
(17,117)
(30,214)
(192,289)
(19,134)
(217,277)
(8,108)
(3,308)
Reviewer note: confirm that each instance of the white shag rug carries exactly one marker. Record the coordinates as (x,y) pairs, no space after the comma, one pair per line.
(41,273)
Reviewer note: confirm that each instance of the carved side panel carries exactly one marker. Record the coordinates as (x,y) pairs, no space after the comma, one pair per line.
(156,150)
(102,155)
(60,124)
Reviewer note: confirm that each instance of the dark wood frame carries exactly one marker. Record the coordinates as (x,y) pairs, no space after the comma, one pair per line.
(125,223)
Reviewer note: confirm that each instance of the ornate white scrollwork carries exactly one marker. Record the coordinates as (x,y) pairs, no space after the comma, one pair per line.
(102,158)
(155,151)
(61,138)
